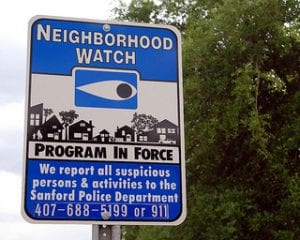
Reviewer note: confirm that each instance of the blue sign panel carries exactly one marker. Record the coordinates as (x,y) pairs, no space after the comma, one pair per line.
(104,124)
(60,45)
(106,89)
(87,191)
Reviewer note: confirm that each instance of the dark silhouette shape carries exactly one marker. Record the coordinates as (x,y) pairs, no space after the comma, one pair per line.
(47,113)
(52,129)
(81,131)
(164,132)
(35,115)
(125,134)
(143,122)
(67,118)
(103,137)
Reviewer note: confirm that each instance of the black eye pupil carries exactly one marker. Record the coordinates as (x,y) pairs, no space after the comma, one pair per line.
(124,90)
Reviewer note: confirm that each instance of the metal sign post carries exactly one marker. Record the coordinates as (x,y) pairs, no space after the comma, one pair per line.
(106,232)
(104,137)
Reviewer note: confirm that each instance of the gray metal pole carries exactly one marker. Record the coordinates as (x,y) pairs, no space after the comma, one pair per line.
(106,232)
(116,232)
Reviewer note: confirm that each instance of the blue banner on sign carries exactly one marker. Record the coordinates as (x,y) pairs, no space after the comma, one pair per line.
(77,190)
(58,46)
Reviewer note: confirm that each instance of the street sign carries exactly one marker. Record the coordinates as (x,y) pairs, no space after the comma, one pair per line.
(104,138)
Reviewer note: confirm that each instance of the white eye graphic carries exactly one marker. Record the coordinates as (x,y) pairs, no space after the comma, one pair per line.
(112,89)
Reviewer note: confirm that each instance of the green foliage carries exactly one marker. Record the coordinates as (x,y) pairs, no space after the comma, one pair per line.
(241,63)
(139,11)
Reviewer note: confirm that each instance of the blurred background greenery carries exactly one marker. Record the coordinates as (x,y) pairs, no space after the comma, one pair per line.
(242,116)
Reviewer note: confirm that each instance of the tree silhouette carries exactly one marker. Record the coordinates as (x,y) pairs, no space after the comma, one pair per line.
(68,118)
(143,122)
(47,112)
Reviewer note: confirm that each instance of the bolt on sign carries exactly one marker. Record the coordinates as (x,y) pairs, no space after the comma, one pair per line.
(104,140)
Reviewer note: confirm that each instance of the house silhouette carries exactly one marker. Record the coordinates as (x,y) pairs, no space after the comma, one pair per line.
(102,137)
(81,131)
(52,129)
(163,132)
(125,134)
(35,114)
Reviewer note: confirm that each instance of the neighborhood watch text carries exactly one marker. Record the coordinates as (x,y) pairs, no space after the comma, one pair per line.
(112,42)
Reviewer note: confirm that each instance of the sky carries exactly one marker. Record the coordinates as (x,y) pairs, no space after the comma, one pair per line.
(14,19)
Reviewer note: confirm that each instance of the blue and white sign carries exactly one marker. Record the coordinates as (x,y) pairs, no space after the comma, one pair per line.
(104,137)
(102,88)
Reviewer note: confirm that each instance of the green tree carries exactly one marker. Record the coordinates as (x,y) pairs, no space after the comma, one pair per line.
(242,117)
(141,11)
